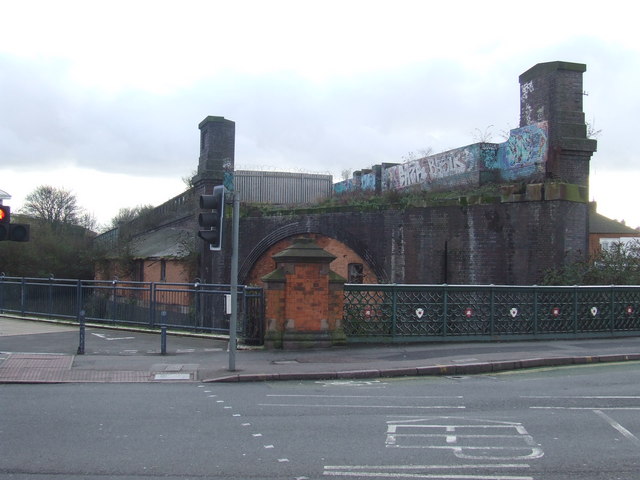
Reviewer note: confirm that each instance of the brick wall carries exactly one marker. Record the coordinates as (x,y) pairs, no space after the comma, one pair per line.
(503,243)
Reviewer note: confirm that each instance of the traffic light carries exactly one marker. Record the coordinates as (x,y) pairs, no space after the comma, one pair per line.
(5,214)
(5,221)
(211,222)
(16,232)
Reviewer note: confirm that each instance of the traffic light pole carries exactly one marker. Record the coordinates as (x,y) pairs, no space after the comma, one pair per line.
(233,323)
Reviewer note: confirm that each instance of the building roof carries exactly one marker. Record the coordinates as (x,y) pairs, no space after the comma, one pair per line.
(603,225)
(163,243)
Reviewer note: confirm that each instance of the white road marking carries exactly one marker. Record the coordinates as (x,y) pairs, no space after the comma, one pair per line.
(420,471)
(397,407)
(369,396)
(484,440)
(352,383)
(596,397)
(104,337)
(627,434)
(436,476)
(427,467)
(584,408)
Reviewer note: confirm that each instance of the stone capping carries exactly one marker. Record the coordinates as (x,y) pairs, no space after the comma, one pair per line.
(537,192)
(545,68)
(304,250)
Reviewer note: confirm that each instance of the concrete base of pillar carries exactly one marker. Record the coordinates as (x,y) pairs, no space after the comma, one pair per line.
(290,340)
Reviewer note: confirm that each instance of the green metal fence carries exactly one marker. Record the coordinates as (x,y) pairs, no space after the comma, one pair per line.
(377,313)
(192,307)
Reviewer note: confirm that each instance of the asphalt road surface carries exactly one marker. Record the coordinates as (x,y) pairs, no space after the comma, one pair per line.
(552,424)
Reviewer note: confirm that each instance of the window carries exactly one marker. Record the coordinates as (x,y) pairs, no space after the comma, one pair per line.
(139,271)
(355,273)
(163,270)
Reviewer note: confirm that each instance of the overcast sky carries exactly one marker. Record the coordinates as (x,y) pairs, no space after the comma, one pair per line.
(104,98)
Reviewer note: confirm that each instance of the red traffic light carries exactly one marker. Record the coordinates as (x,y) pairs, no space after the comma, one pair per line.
(15,232)
(5,214)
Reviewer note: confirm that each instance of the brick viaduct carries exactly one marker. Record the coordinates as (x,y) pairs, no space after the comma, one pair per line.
(511,239)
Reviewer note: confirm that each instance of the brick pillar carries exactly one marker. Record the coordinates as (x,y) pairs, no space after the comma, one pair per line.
(304,299)
(217,150)
(552,92)
(215,167)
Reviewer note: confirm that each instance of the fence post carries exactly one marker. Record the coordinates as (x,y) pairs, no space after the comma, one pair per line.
(575,309)
(79,301)
(444,310)
(152,307)
(50,291)
(196,298)
(2,292)
(114,304)
(23,297)
(491,310)
(612,315)
(82,333)
(394,311)
(535,310)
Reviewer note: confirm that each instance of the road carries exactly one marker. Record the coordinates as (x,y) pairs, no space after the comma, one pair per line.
(547,424)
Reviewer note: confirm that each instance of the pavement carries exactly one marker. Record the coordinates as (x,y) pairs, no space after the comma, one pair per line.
(47,352)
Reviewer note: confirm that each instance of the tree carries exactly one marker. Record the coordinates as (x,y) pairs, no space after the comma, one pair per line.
(60,239)
(617,264)
(126,214)
(55,206)
(59,252)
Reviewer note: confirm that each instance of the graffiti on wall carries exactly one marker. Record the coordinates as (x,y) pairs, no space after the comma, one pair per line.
(431,170)
(522,156)
(345,186)
(530,117)
(368,181)
(525,152)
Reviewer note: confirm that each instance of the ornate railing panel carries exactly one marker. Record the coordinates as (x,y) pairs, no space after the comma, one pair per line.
(447,312)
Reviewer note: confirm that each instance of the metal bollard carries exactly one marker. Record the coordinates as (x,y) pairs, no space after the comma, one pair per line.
(82,334)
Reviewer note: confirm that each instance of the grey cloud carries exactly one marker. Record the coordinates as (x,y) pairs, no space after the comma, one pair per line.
(287,121)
